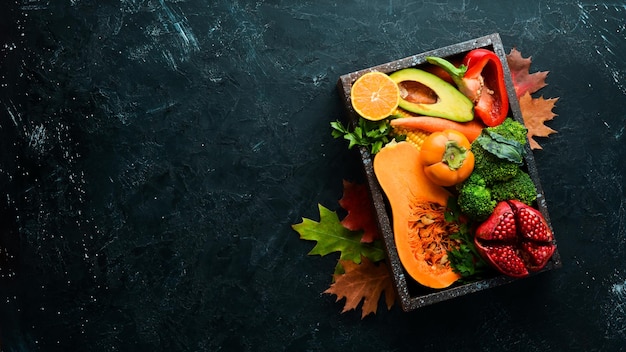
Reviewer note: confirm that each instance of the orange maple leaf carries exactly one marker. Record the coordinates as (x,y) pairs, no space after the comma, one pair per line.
(363,282)
(523,80)
(357,202)
(536,111)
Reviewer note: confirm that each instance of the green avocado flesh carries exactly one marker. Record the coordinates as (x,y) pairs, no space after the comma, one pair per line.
(445,100)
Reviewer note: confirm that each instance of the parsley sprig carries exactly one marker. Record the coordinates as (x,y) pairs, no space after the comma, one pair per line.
(371,134)
(465,258)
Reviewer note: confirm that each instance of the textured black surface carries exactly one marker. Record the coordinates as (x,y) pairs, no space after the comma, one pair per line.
(156,152)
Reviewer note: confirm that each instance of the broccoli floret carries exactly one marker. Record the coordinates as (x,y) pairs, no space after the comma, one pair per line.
(511,129)
(490,167)
(475,199)
(495,179)
(520,187)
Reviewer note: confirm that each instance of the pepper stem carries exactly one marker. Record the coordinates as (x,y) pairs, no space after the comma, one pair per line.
(457,73)
(471,87)
(454,155)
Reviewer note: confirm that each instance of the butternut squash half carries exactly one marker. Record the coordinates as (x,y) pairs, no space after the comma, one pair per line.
(417,207)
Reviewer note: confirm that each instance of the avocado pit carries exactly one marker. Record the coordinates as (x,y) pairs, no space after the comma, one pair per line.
(417,93)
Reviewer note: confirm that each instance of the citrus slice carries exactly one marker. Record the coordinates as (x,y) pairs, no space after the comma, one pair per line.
(375,96)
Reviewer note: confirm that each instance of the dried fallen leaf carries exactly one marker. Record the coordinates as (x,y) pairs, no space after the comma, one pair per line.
(523,80)
(536,111)
(357,202)
(363,282)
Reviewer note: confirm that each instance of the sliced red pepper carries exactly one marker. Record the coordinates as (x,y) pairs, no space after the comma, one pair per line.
(481,79)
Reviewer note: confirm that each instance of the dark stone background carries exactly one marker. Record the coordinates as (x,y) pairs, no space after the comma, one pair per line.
(155,154)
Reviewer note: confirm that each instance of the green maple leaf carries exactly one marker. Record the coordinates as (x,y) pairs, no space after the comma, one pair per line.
(332,237)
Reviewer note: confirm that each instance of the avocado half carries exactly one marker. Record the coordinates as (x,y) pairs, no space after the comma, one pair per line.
(450,103)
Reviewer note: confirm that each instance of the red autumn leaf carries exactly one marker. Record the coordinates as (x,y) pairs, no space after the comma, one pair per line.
(363,282)
(536,111)
(523,80)
(356,201)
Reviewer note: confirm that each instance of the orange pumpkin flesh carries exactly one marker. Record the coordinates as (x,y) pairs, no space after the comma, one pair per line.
(405,184)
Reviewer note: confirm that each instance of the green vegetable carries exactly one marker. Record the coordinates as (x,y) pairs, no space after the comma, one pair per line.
(501,147)
(475,198)
(464,259)
(490,167)
(371,134)
(496,177)
(449,104)
(520,187)
(511,129)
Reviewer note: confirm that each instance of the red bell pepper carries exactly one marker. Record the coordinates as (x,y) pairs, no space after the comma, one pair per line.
(481,79)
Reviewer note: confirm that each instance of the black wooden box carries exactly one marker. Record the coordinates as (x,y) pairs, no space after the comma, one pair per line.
(412,295)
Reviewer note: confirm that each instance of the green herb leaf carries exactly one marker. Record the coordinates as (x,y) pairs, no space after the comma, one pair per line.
(338,129)
(371,134)
(502,147)
(465,258)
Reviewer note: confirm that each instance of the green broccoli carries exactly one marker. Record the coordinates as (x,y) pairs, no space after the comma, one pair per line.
(520,187)
(511,129)
(475,198)
(490,167)
(495,179)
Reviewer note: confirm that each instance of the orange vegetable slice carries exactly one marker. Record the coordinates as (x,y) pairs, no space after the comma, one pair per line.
(375,96)
(420,230)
